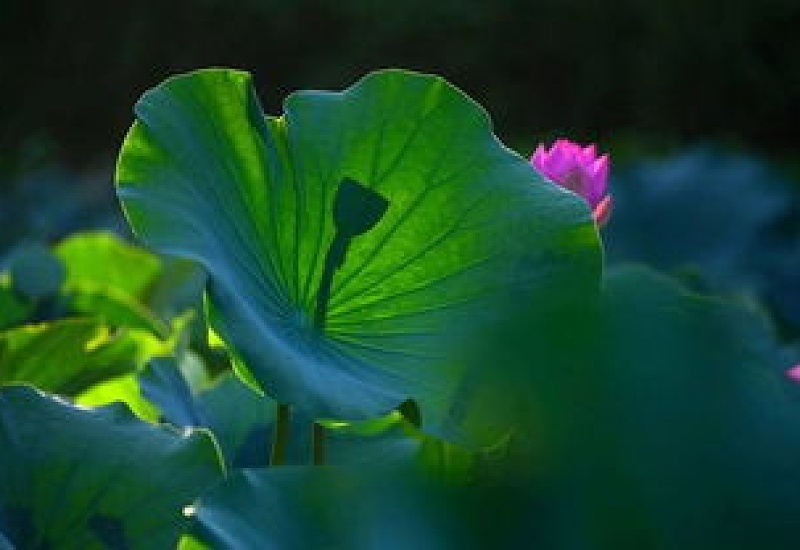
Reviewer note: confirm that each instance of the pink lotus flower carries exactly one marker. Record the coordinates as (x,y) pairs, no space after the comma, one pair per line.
(793,373)
(580,170)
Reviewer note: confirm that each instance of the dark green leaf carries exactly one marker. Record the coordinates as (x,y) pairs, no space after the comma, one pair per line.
(659,418)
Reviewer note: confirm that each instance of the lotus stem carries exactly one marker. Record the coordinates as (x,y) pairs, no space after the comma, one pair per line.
(280,439)
(318,445)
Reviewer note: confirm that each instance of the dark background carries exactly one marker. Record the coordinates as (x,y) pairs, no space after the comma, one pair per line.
(641,76)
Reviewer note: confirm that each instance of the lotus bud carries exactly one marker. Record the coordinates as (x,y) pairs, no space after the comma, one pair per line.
(578,169)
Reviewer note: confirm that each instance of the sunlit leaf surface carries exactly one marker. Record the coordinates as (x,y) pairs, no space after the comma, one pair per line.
(345,299)
(68,356)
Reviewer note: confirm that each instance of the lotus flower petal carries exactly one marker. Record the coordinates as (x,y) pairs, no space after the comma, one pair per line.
(579,169)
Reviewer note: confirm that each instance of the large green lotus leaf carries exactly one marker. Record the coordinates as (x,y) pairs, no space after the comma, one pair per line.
(86,479)
(395,187)
(68,356)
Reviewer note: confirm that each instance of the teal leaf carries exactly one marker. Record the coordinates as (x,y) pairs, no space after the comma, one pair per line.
(699,437)
(77,478)
(288,507)
(240,418)
(446,229)
(162,383)
(306,507)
